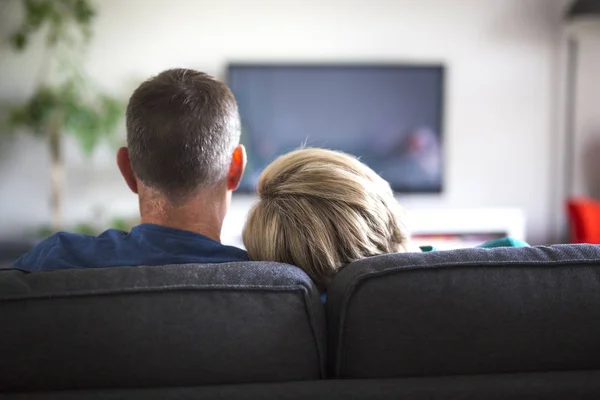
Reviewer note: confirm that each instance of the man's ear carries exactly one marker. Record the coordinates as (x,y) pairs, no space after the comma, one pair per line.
(236,169)
(125,167)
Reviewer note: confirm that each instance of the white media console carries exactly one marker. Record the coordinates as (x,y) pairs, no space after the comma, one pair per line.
(443,228)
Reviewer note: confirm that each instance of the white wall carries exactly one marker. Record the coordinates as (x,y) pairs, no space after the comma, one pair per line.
(500,107)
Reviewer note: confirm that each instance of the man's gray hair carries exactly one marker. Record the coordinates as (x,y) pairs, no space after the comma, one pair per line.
(182,128)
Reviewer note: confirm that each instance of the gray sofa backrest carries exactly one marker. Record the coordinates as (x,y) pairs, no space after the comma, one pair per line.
(179,325)
(466,312)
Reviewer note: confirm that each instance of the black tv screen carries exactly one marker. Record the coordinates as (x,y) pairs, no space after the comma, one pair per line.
(388,115)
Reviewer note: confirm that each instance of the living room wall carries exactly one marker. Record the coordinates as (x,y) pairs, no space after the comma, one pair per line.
(501,55)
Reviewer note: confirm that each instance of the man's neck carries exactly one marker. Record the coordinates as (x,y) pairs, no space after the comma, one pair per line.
(199,215)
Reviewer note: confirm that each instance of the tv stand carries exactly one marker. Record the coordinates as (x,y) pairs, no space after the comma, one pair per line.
(448,229)
(443,228)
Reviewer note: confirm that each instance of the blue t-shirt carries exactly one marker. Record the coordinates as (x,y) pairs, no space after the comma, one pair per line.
(146,244)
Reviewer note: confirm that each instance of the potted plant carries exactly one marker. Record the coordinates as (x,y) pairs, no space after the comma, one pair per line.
(65,101)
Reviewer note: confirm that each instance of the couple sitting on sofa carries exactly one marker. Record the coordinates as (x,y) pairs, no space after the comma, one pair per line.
(318,209)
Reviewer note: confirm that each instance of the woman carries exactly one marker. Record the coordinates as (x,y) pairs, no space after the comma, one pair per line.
(320,210)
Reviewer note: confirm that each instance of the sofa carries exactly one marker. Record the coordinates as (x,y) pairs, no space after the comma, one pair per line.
(506,323)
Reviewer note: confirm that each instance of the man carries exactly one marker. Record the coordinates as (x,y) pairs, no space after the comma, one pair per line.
(183,160)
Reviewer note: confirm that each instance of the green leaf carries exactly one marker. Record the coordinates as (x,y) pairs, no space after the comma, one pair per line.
(124,224)
(37,11)
(19,40)
(86,229)
(83,12)
(35,114)
(120,224)
(90,119)
(61,16)
(43,232)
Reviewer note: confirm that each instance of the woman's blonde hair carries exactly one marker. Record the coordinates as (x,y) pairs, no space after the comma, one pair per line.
(321,209)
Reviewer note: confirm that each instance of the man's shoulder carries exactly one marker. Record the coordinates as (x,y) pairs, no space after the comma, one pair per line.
(67,238)
(58,246)
(52,241)
(30,260)
(144,245)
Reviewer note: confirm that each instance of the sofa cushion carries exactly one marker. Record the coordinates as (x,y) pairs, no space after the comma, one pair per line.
(470,311)
(177,325)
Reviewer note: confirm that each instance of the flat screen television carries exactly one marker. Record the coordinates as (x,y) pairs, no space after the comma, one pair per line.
(388,115)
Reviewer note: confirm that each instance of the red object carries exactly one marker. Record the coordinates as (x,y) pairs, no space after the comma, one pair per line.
(584,217)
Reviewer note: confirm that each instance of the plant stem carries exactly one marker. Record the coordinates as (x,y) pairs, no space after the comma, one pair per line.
(56,171)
